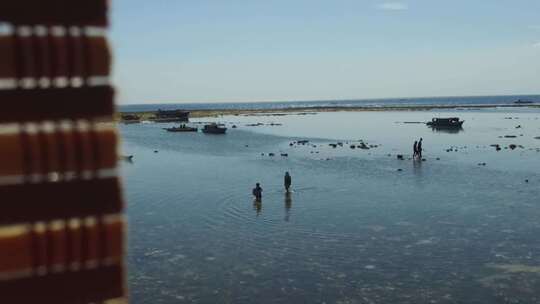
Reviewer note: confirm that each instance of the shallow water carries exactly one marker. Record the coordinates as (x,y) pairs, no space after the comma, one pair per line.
(354,229)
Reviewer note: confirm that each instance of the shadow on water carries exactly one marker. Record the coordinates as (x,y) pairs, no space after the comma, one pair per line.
(288,205)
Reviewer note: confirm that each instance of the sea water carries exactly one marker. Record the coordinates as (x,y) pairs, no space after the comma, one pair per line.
(360,226)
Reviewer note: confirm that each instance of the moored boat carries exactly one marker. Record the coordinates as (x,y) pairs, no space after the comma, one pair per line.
(181,128)
(452,122)
(130,119)
(521,101)
(214,128)
(171,116)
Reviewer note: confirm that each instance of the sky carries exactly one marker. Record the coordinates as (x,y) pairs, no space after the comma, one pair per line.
(176,51)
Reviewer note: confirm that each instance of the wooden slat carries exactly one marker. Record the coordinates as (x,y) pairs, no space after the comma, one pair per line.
(55,12)
(39,57)
(50,201)
(58,245)
(85,286)
(55,104)
(62,151)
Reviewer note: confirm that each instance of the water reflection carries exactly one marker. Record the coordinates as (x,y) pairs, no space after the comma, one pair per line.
(257,206)
(288,205)
(417,167)
(449,130)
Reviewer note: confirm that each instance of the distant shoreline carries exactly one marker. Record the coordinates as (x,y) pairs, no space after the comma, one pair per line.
(146,115)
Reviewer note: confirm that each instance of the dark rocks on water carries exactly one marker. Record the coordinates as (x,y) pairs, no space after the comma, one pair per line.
(234,126)
(399,170)
(156,151)
(510,136)
(481,164)
(284,154)
(271,154)
(526,180)
(423,159)
(400,156)
(353,146)
(512,146)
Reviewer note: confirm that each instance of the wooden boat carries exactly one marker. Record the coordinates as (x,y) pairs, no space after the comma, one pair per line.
(214,129)
(520,101)
(171,116)
(181,128)
(452,122)
(130,119)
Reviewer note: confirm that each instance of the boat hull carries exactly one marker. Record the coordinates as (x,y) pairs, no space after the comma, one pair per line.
(215,131)
(181,129)
(445,125)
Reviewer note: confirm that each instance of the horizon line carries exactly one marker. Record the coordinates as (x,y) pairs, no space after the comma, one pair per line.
(329,100)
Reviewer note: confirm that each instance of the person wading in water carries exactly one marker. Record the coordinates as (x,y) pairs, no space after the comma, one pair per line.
(257,192)
(419,149)
(287,181)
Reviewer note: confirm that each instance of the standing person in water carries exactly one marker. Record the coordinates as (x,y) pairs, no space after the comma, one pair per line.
(287,181)
(415,150)
(419,149)
(257,192)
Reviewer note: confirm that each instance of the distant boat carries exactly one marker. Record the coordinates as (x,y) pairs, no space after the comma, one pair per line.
(130,119)
(181,128)
(452,122)
(519,101)
(171,116)
(214,128)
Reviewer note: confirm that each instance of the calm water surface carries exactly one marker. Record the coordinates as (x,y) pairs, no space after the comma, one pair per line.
(355,229)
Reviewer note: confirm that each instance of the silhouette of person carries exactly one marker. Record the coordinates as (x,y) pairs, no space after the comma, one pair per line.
(419,148)
(287,181)
(415,149)
(257,192)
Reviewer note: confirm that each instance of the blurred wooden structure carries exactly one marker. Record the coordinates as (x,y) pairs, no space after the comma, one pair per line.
(62,228)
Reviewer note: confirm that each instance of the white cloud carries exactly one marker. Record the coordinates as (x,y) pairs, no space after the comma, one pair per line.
(393,6)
